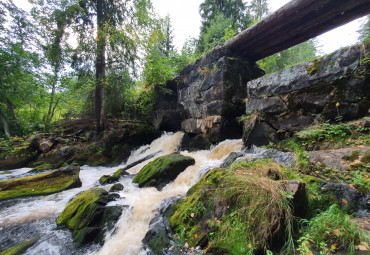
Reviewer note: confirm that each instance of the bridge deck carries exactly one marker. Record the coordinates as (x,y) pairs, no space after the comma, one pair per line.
(294,23)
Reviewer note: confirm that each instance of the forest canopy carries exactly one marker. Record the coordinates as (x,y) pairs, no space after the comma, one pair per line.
(107,59)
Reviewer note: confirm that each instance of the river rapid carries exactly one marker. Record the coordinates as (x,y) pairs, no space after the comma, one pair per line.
(30,217)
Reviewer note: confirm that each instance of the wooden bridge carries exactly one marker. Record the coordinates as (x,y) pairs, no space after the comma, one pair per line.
(294,23)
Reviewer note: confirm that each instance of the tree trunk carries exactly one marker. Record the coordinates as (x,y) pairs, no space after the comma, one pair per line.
(100,67)
(12,118)
(6,127)
(51,111)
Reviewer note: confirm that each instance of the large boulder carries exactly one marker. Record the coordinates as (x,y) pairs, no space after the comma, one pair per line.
(162,170)
(88,216)
(336,85)
(42,184)
(248,205)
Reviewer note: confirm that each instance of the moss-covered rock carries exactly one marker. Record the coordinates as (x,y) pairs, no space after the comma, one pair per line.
(42,184)
(116,187)
(44,167)
(162,170)
(87,216)
(20,248)
(245,209)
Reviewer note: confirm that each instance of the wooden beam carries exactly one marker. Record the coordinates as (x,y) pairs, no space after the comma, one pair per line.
(294,23)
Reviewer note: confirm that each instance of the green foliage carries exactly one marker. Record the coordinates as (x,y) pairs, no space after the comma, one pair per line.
(219,31)
(365,31)
(326,131)
(330,231)
(259,8)
(162,63)
(220,21)
(297,54)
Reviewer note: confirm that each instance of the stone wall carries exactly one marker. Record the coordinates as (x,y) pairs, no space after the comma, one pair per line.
(210,94)
(334,86)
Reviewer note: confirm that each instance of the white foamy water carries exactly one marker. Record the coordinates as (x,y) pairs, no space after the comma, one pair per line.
(4,175)
(143,202)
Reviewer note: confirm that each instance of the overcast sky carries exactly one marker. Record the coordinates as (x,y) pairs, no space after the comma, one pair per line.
(185,20)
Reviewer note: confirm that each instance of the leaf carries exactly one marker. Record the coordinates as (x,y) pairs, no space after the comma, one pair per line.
(336,232)
(362,247)
(344,201)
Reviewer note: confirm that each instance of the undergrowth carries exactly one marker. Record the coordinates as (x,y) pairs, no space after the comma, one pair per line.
(329,232)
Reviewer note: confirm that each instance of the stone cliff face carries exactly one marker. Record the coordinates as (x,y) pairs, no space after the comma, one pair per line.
(210,94)
(334,86)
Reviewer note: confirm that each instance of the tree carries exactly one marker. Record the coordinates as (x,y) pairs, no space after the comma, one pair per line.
(259,8)
(305,51)
(365,31)
(18,76)
(117,24)
(234,13)
(220,30)
(53,16)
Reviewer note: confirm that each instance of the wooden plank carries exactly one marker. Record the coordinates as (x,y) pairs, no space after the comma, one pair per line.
(296,22)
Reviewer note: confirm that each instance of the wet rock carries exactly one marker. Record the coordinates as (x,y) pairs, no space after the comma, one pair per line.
(299,197)
(268,105)
(290,100)
(20,248)
(116,187)
(106,179)
(212,86)
(231,158)
(42,184)
(350,200)
(88,216)
(162,170)
(262,134)
(287,159)
(167,113)
(159,236)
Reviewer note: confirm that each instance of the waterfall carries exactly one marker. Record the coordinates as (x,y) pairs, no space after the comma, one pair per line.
(142,202)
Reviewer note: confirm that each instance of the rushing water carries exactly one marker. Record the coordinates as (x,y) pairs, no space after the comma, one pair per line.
(27,217)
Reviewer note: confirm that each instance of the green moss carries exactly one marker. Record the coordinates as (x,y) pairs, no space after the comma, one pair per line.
(5,172)
(191,211)
(162,170)
(118,173)
(254,205)
(80,211)
(42,184)
(20,248)
(316,65)
(353,157)
(366,158)
(158,243)
(44,167)
(116,187)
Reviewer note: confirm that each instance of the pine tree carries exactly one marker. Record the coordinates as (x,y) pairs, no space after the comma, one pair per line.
(232,12)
